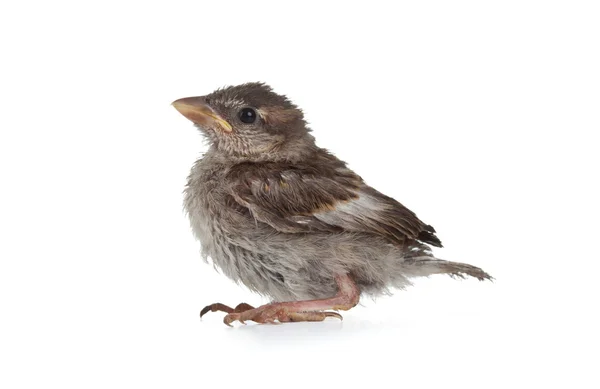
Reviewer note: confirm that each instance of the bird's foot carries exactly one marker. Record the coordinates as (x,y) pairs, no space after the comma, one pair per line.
(277,313)
(304,310)
(218,307)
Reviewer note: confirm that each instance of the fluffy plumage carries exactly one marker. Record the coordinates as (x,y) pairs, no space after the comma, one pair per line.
(283,216)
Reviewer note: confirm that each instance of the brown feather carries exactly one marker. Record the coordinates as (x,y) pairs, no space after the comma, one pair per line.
(298,197)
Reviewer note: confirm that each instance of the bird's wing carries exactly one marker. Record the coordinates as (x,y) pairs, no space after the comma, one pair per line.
(304,198)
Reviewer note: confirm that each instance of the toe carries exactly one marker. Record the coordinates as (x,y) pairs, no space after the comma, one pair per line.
(242,307)
(230,318)
(215,308)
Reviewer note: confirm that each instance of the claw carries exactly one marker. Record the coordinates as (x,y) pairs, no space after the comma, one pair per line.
(204,311)
(334,314)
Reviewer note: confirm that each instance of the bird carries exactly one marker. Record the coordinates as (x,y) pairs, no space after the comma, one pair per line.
(289,220)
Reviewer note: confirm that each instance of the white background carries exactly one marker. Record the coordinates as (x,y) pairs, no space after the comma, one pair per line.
(480,116)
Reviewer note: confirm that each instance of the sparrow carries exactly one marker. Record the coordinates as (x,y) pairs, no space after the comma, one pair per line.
(291,221)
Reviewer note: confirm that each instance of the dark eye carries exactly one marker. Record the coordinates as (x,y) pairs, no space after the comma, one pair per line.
(248,115)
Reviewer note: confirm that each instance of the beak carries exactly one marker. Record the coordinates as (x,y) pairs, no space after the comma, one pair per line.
(196,110)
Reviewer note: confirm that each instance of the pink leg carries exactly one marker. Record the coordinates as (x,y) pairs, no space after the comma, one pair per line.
(310,310)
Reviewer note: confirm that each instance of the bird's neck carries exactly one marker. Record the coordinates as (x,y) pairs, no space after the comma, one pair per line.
(291,150)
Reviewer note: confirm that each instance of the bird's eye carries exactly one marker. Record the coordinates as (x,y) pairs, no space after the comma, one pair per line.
(248,115)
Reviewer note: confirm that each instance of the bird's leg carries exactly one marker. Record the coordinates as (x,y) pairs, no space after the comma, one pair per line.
(310,310)
(216,307)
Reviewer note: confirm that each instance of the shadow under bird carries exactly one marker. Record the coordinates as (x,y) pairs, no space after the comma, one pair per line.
(291,221)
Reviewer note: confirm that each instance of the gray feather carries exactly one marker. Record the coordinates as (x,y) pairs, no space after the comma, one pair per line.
(282,216)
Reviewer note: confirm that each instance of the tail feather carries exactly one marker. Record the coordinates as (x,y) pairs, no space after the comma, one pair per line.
(457,269)
(425,266)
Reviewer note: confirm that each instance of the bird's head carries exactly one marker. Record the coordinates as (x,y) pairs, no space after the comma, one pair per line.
(247,120)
